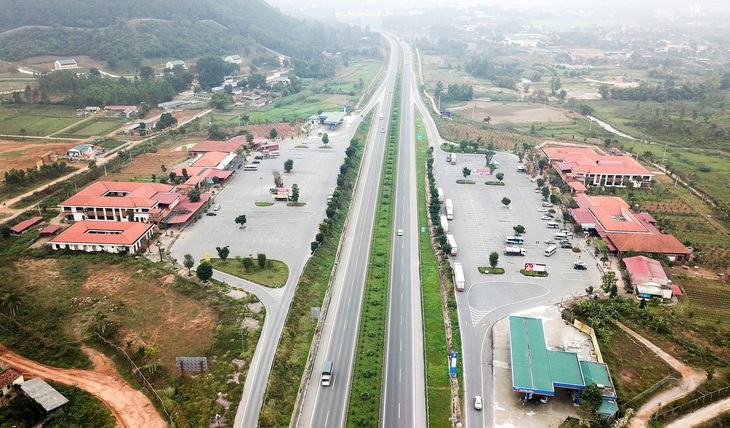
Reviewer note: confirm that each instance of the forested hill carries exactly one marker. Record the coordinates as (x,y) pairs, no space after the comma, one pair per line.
(114,31)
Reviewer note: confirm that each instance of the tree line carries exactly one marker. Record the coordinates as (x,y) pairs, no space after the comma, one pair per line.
(21,178)
(668,90)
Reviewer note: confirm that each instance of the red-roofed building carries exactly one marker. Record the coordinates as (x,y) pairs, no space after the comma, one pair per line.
(667,245)
(217,160)
(610,214)
(186,210)
(108,236)
(25,225)
(582,163)
(50,230)
(217,146)
(648,277)
(111,201)
(8,378)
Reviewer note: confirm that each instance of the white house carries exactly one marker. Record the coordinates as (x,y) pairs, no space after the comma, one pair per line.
(65,64)
(173,63)
(80,151)
(234,59)
(103,236)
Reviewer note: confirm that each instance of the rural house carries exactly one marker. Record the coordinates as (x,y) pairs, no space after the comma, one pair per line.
(234,59)
(103,236)
(79,152)
(649,278)
(8,378)
(173,63)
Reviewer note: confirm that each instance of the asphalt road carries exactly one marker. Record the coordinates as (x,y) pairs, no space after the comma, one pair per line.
(327,406)
(404,397)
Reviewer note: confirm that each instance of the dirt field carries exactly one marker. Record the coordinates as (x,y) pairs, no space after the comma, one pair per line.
(131,408)
(512,112)
(143,166)
(284,130)
(24,154)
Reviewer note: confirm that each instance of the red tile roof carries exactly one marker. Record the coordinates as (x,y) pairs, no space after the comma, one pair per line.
(587,161)
(50,229)
(217,146)
(102,232)
(659,244)
(644,270)
(186,209)
(210,159)
(25,225)
(8,376)
(138,194)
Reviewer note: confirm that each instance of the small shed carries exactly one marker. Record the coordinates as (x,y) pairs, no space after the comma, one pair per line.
(44,394)
(50,230)
(24,226)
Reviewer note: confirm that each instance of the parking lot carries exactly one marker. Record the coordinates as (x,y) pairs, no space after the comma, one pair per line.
(480,226)
(279,231)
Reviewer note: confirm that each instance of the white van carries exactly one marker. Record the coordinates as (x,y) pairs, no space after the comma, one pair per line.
(561,235)
(250,168)
(549,251)
(552,225)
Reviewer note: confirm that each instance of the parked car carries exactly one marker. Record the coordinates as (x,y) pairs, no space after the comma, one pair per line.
(217,207)
(256,162)
(546,217)
(547,204)
(549,241)
(566,245)
(258,157)
(542,210)
(211,214)
(478,402)
(538,190)
(580,265)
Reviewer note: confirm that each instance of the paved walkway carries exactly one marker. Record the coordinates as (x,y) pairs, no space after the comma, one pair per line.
(691,379)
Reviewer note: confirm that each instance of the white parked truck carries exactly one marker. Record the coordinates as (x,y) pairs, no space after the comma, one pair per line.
(449,210)
(514,251)
(453,159)
(450,239)
(441,195)
(458,277)
(444,223)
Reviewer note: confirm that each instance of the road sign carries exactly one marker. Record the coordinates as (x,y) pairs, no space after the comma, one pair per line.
(420,137)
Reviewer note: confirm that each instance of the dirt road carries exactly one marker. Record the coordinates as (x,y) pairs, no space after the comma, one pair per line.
(131,408)
(691,378)
(701,415)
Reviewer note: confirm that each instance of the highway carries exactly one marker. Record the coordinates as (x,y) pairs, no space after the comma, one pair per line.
(327,406)
(404,397)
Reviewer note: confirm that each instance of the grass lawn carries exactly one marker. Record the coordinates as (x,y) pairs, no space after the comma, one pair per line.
(274,277)
(92,127)
(35,120)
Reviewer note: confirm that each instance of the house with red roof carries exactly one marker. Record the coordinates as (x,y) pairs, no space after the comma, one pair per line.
(648,278)
(217,160)
(113,201)
(666,245)
(8,378)
(106,236)
(585,165)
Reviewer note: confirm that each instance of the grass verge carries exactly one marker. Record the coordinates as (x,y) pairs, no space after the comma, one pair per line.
(489,269)
(296,339)
(533,273)
(438,387)
(465,182)
(365,394)
(274,276)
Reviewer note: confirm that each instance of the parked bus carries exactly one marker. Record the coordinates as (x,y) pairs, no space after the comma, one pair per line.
(549,251)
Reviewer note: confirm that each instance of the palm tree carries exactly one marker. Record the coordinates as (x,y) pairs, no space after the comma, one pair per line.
(11,300)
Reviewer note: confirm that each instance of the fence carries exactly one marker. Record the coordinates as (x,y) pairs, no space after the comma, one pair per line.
(669,379)
(712,396)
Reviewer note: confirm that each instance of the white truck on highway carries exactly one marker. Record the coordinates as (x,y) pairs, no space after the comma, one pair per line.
(458,277)
(514,251)
(444,223)
(450,239)
(441,195)
(449,210)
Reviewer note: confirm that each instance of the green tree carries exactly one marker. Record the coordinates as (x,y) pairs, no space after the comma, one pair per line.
(188,262)
(295,193)
(466,172)
(506,201)
(288,165)
(221,101)
(241,220)
(11,300)
(608,280)
(500,176)
(146,72)
(555,84)
(130,215)
(519,229)
(204,271)
(489,155)
(194,195)
(493,259)
(273,133)
(261,258)
(166,121)
(325,138)
(540,182)
(247,263)
(223,253)
(545,192)
(604,91)
(591,398)
(212,69)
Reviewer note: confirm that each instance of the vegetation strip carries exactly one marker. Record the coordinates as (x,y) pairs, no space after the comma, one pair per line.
(438,386)
(365,394)
(296,339)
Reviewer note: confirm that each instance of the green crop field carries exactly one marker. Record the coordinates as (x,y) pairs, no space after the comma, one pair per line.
(93,127)
(35,120)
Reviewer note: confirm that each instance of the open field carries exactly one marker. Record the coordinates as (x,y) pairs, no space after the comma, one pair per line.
(501,112)
(36,120)
(95,126)
(25,154)
(284,130)
(457,131)
(144,165)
